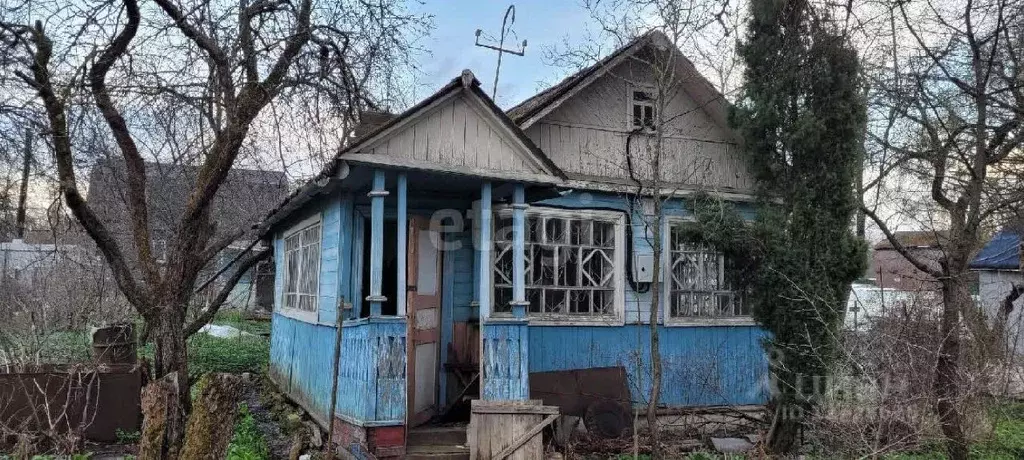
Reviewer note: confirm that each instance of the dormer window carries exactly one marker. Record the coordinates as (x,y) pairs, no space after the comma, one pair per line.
(642,108)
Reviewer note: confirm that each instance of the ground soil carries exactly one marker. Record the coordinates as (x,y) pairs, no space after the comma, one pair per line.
(266,409)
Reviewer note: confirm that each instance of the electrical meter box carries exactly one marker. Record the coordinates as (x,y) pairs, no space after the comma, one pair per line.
(643,268)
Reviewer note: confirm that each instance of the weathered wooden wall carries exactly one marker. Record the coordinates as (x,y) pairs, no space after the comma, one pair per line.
(702,366)
(587,134)
(371,377)
(455,134)
(505,359)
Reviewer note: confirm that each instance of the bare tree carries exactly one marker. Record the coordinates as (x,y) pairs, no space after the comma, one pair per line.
(948,104)
(192,81)
(660,157)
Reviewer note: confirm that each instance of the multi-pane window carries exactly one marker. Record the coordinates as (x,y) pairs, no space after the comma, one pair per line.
(570,264)
(302,268)
(698,282)
(642,108)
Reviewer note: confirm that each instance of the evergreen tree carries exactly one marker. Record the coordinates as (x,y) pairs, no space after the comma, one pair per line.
(802,117)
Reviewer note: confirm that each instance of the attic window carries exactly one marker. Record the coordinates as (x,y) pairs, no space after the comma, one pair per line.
(642,108)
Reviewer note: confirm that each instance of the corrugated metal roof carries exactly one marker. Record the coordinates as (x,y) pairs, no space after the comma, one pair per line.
(1003,252)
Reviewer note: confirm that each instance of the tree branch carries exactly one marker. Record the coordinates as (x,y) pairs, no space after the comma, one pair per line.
(135,173)
(94,227)
(212,309)
(898,246)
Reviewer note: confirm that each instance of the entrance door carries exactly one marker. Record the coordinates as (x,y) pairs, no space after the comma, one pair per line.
(424,318)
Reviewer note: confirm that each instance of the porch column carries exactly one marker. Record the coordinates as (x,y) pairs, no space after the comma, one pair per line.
(519,206)
(376,241)
(483,265)
(403,240)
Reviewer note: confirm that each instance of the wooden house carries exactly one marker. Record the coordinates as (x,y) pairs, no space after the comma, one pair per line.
(458,237)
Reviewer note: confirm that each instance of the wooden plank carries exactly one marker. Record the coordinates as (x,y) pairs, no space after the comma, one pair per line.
(531,434)
(459,134)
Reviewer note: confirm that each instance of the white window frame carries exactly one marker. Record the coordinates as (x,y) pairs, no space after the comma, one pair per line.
(666,297)
(295,313)
(631,102)
(617,317)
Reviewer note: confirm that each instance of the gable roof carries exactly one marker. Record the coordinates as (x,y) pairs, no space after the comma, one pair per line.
(466,84)
(244,195)
(1003,252)
(697,87)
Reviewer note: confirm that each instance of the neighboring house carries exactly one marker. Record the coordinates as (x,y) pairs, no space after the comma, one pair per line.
(1000,268)
(456,236)
(33,264)
(45,252)
(245,195)
(895,272)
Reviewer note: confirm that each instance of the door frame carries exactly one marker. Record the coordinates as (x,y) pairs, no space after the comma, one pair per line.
(412,260)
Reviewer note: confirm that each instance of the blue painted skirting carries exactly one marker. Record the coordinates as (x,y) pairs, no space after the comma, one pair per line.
(371,377)
(506,353)
(701,366)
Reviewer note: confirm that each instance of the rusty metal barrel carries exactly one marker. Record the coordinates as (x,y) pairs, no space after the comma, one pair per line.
(114,344)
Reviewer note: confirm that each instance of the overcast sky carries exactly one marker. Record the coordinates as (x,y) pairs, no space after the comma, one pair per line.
(544,23)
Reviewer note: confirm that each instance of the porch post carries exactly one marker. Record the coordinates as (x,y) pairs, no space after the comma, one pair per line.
(403,203)
(519,206)
(483,266)
(376,241)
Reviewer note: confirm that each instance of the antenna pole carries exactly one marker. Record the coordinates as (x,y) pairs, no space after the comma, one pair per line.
(506,27)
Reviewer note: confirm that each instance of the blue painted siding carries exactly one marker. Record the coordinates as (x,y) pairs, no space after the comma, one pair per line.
(701,365)
(301,361)
(371,375)
(462,277)
(506,354)
(329,248)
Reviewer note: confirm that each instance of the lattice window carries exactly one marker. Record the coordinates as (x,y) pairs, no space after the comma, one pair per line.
(698,285)
(642,108)
(570,264)
(302,268)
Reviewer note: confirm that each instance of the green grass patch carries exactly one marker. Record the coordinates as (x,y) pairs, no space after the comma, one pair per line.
(247,443)
(233,355)
(239,320)
(53,348)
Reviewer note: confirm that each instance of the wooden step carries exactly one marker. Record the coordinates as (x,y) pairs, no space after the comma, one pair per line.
(436,452)
(438,436)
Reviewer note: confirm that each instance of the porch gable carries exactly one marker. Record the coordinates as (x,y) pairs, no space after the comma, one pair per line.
(458,130)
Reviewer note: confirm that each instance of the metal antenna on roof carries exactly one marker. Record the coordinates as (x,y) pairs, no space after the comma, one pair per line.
(506,28)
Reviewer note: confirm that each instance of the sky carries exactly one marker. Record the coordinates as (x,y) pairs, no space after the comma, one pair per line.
(543,23)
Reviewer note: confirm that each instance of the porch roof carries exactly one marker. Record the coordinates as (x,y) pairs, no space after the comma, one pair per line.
(425,182)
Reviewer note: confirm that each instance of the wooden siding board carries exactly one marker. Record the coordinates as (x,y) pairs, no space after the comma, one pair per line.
(459,127)
(371,377)
(505,361)
(327,310)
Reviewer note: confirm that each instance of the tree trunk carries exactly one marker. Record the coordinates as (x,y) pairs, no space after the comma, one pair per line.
(785,429)
(955,299)
(213,422)
(655,396)
(19,219)
(171,361)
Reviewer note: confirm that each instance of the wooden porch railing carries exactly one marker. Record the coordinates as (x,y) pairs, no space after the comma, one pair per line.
(371,381)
